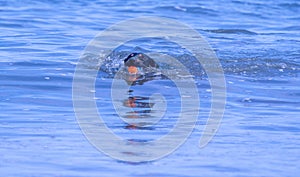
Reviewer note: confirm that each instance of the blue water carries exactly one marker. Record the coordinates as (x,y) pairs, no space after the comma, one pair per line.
(257,43)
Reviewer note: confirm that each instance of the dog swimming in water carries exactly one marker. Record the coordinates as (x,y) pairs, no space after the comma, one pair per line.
(140,68)
(138,61)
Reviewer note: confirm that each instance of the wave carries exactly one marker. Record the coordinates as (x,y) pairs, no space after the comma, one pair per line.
(251,67)
(231,31)
(188,9)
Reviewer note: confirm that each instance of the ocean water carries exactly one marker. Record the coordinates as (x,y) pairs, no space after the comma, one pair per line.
(257,43)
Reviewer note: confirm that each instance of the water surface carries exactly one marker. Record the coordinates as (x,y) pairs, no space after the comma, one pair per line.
(257,43)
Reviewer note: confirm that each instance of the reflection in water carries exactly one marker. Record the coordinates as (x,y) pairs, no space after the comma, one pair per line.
(133,127)
(141,106)
(138,102)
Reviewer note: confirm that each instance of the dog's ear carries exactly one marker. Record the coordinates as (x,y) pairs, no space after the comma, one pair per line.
(126,59)
(130,56)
